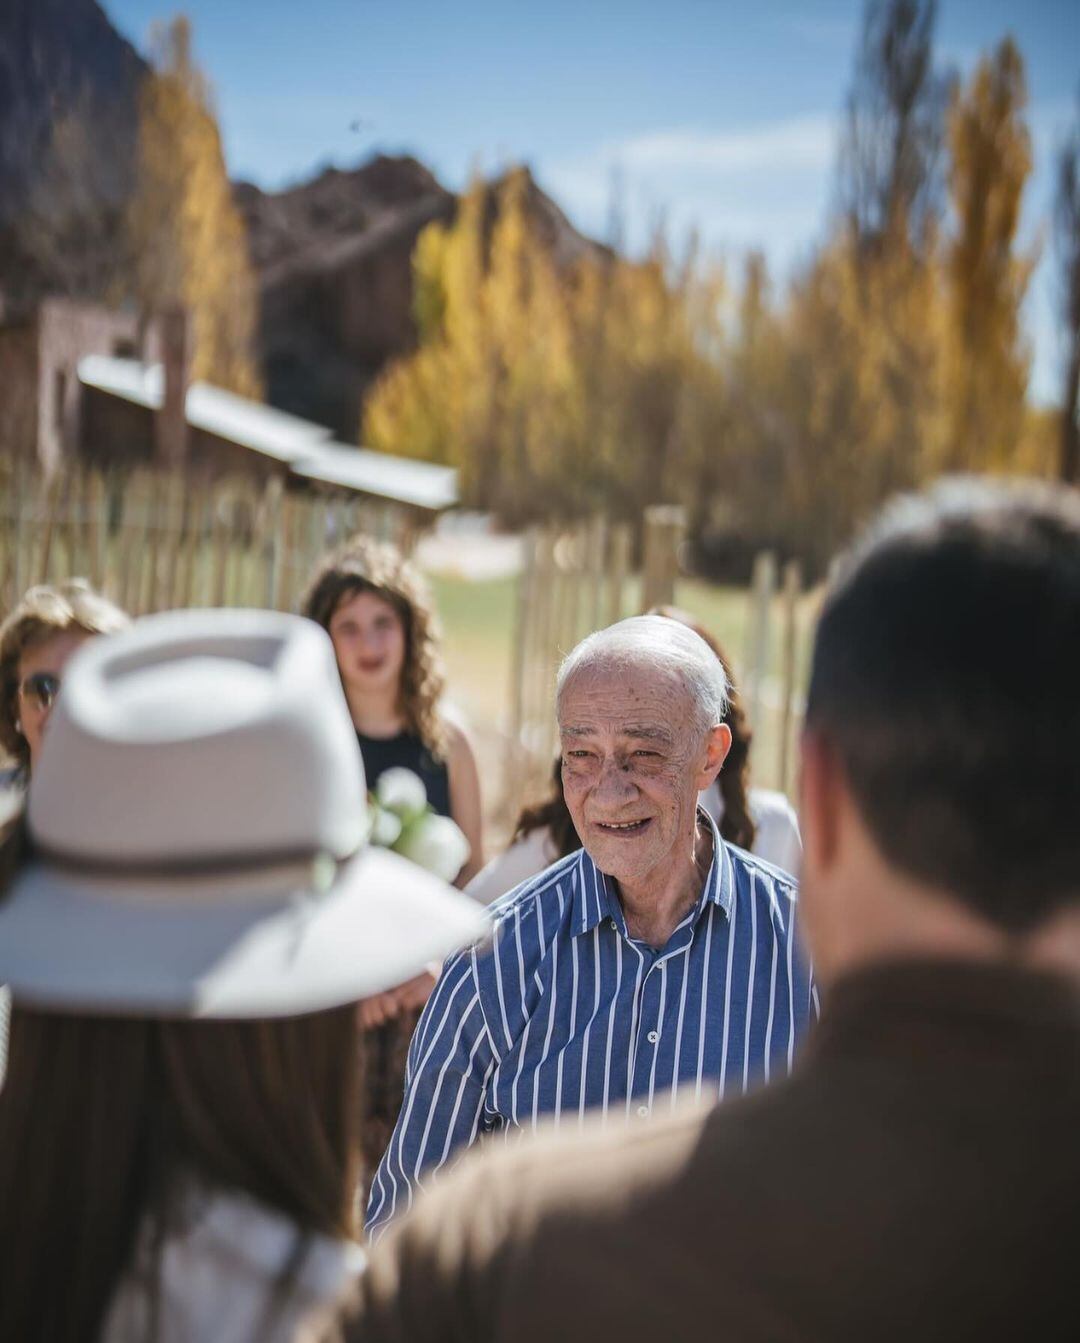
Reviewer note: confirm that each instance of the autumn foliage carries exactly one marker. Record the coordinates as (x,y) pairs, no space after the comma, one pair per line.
(187,238)
(779,418)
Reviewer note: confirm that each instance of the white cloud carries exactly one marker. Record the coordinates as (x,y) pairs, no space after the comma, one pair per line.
(1050,121)
(804,142)
(824,32)
(763,185)
(768,186)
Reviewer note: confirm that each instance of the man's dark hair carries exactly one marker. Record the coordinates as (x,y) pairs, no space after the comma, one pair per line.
(946,675)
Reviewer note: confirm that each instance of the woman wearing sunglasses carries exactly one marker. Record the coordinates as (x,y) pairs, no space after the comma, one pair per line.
(36,640)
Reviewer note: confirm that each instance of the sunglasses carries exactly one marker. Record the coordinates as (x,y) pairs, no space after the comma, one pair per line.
(41,688)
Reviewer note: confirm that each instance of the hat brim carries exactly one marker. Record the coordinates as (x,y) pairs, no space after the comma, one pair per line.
(75,943)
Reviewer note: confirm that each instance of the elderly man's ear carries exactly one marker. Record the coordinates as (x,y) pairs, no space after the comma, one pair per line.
(717,745)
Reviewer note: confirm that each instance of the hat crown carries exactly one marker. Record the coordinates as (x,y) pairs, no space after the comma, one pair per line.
(201,736)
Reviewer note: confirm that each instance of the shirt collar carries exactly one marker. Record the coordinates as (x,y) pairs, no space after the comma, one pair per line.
(595,898)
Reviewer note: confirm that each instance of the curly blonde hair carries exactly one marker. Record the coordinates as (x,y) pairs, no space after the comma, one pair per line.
(45,610)
(364,565)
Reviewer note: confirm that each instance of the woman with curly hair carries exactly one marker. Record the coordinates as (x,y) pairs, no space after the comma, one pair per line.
(379,615)
(757,819)
(36,640)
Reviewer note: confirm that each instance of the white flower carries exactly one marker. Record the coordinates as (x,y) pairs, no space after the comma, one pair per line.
(401,791)
(436,844)
(385,827)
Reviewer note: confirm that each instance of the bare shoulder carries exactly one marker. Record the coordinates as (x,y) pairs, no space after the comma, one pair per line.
(459,745)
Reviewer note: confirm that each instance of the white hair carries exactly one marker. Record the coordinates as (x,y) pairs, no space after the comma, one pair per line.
(655,641)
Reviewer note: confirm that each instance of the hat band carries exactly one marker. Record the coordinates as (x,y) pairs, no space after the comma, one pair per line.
(309,867)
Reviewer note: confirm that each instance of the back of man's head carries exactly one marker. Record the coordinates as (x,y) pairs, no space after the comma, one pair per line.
(946,678)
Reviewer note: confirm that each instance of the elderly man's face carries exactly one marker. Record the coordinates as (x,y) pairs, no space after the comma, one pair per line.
(633,763)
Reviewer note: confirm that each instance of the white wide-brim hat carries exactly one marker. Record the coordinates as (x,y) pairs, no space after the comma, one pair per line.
(198,827)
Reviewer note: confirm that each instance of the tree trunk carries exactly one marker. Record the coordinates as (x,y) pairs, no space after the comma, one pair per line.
(1070,430)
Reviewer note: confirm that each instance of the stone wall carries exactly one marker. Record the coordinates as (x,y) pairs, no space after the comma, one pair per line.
(66,332)
(41,399)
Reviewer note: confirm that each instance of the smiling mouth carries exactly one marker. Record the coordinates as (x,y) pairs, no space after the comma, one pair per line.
(372,666)
(623,829)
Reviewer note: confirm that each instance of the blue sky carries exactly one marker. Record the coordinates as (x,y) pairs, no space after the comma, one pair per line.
(722,116)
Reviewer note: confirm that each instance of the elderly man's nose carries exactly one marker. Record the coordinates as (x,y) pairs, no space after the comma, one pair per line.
(614,779)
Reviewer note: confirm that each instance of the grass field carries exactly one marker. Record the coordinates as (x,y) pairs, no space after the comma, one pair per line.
(478,622)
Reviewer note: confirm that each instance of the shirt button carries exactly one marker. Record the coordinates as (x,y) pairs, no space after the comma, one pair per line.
(613,925)
(643,1111)
(653,1036)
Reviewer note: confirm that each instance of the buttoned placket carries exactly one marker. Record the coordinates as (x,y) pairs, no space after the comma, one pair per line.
(651,1006)
(648,1029)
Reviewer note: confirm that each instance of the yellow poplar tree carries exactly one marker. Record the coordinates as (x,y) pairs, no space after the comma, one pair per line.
(187,236)
(862,389)
(988,364)
(555,391)
(428,404)
(479,392)
(525,303)
(744,460)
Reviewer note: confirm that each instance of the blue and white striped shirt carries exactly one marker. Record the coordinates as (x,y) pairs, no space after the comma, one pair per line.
(562,1012)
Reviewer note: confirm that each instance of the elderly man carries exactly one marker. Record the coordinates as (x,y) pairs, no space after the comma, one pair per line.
(918,1176)
(656,956)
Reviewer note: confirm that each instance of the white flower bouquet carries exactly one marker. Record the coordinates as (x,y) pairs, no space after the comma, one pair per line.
(403,820)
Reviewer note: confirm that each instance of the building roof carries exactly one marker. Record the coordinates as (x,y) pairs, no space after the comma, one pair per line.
(211,409)
(304,447)
(419,484)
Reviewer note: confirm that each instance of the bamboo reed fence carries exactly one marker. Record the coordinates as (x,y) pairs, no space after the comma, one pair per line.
(576,579)
(153,540)
(573,581)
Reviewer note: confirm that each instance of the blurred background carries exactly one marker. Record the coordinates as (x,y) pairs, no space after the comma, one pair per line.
(590,306)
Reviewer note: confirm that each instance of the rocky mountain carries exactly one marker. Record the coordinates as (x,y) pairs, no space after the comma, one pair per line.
(68,89)
(334,204)
(333,255)
(58,57)
(334,261)
(333,258)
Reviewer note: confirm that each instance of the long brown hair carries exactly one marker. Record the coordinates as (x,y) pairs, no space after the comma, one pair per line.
(103,1123)
(736,825)
(364,565)
(551,814)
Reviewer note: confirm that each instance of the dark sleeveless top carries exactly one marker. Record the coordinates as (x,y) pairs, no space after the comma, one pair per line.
(409,752)
(387,1046)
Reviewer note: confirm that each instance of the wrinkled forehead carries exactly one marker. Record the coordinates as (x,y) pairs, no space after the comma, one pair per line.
(625,696)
